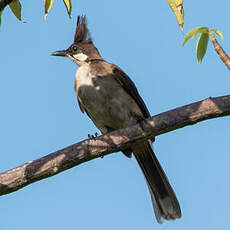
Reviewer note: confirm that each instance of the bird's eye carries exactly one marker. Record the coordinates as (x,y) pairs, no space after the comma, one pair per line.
(74,48)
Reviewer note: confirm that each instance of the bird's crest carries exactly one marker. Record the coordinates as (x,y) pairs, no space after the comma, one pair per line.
(82,32)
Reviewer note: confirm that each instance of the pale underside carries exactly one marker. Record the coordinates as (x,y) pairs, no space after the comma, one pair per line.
(105,101)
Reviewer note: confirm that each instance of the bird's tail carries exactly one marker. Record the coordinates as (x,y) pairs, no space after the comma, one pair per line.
(165,203)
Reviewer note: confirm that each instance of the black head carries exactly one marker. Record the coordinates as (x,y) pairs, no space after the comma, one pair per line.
(82,50)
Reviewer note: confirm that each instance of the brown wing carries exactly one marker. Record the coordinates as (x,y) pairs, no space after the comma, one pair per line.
(130,88)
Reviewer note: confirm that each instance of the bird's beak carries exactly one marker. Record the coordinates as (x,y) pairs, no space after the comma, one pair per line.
(61,53)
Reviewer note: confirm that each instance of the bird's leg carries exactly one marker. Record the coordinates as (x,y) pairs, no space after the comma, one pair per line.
(142,121)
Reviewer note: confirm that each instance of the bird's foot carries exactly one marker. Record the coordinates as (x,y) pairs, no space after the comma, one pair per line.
(141,121)
(93,136)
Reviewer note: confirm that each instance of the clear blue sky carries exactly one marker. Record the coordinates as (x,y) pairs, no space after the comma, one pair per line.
(39,115)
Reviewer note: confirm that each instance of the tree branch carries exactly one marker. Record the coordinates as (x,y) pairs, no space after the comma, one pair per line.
(86,150)
(220,51)
(4,3)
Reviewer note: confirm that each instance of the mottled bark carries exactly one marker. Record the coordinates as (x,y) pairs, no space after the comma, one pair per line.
(86,150)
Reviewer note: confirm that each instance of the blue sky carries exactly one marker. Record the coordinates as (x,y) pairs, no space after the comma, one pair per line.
(39,115)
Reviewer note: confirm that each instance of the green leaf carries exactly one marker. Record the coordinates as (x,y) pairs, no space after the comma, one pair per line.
(192,33)
(48,4)
(16,7)
(68,6)
(201,46)
(218,33)
(177,8)
(1,16)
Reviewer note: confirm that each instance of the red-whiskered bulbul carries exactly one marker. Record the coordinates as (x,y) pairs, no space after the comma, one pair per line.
(111,100)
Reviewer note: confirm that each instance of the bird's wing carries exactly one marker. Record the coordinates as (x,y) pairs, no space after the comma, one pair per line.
(127,84)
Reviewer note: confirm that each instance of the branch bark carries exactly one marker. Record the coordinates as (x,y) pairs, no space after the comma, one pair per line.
(220,51)
(4,3)
(86,150)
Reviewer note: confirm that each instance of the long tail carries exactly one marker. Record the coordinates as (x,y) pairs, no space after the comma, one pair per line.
(165,203)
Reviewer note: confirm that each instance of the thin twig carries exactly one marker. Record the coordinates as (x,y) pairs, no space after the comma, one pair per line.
(220,51)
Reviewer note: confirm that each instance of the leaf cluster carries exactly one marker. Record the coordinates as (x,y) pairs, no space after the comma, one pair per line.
(16,8)
(202,42)
(176,6)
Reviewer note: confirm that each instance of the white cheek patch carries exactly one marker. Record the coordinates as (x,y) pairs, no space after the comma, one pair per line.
(80,57)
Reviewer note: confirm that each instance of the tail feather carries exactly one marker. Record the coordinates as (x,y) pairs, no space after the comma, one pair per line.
(165,203)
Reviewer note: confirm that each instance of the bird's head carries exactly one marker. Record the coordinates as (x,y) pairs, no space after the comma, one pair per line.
(82,50)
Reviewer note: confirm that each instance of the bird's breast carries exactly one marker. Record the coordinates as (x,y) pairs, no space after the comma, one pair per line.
(84,78)
(91,90)
(105,100)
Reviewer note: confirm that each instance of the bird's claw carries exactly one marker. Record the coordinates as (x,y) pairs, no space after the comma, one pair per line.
(93,136)
(141,121)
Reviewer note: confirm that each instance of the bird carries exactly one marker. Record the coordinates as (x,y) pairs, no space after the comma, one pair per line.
(111,100)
